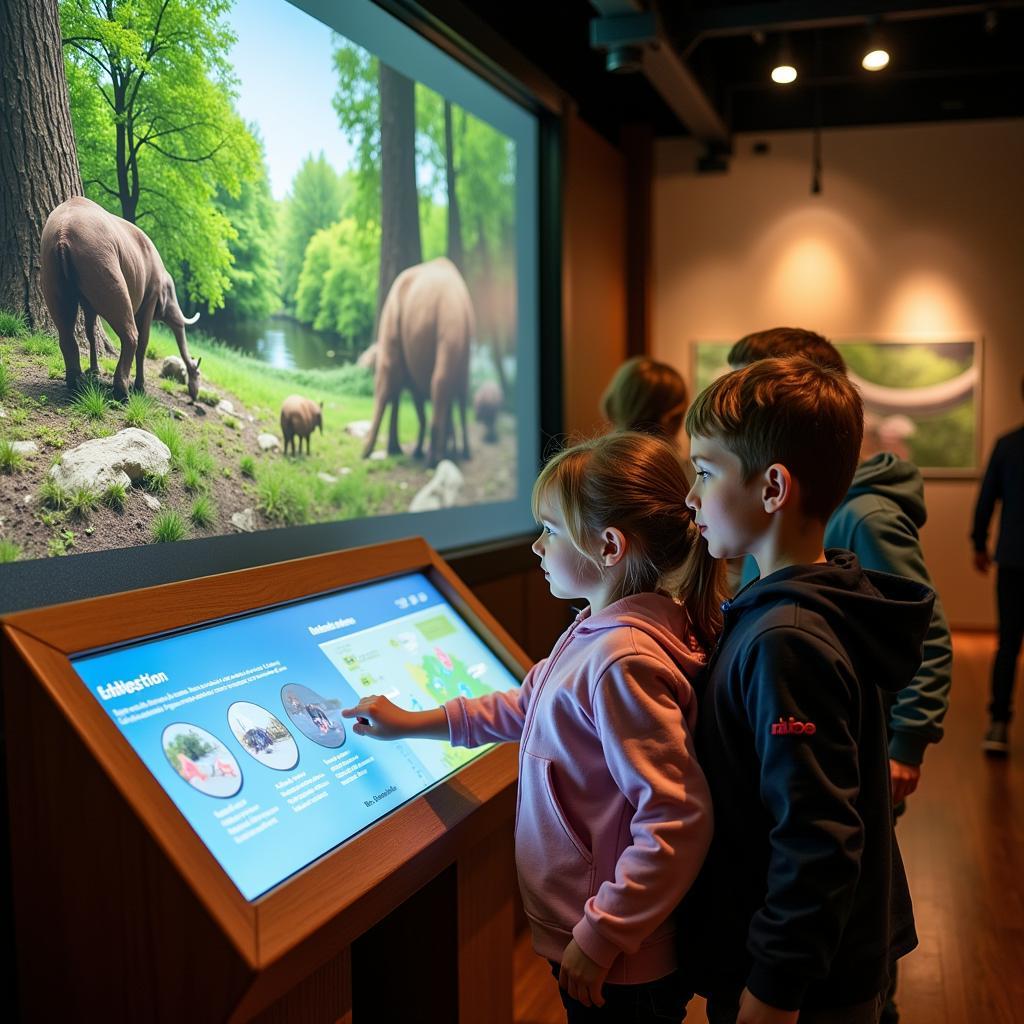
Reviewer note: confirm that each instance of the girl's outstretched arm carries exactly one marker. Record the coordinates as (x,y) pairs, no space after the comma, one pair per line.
(376,716)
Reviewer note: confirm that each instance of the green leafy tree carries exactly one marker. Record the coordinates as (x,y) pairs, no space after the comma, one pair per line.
(191,744)
(315,202)
(357,104)
(152,104)
(336,288)
(254,290)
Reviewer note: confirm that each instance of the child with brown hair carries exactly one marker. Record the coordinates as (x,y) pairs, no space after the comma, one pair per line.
(614,816)
(646,396)
(802,907)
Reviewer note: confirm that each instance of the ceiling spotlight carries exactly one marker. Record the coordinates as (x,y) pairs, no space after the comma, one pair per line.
(875,60)
(876,55)
(784,70)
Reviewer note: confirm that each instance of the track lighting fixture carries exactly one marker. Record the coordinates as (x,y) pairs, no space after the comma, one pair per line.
(784,70)
(876,55)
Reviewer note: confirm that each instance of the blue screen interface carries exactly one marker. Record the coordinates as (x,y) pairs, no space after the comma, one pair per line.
(240,721)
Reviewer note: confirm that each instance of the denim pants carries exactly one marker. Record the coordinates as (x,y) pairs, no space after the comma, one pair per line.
(653,1002)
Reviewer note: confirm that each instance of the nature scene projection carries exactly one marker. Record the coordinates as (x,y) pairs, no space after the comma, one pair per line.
(921,398)
(346,235)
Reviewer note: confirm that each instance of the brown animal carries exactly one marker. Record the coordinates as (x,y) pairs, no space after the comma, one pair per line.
(426,325)
(299,418)
(110,268)
(486,405)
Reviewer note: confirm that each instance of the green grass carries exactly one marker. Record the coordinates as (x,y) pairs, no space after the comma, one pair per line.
(355,494)
(82,501)
(12,325)
(167,430)
(208,397)
(192,479)
(155,483)
(139,409)
(170,386)
(40,345)
(247,467)
(203,512)
(194,456)
(10,460)
(115,497)
(9,551)
(230,422)
(55,367)
(54,496)
(51,436)
(61,544)
(6,381)
(283,494)
(91,401)
(169,526)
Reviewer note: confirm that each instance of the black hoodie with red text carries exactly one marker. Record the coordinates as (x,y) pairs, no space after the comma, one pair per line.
(803,898)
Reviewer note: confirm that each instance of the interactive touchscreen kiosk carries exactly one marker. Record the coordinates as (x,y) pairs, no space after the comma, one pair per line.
(196,830)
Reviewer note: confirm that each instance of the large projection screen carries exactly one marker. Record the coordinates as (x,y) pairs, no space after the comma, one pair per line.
(368,150)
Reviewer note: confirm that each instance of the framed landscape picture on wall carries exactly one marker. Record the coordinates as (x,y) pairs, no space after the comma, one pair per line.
(922,398)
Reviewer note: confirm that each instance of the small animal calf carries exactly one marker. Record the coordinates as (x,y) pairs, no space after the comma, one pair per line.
(299,418)
(486,406)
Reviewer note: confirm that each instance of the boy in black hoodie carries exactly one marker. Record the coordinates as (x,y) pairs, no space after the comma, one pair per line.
(802,906)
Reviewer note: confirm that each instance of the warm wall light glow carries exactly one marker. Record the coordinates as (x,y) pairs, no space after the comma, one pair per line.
(926,303)
(784,74)
(875,60)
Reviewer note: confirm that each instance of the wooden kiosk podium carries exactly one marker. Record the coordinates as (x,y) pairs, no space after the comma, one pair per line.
(123,913)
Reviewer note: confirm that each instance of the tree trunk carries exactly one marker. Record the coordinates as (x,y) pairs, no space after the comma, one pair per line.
(454,220)
(38,160)
(489,316)
(399,203)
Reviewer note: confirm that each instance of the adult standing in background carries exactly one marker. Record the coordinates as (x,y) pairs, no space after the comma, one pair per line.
(1003,482)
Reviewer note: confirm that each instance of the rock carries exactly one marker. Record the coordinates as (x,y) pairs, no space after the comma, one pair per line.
(173,368)
(177,414)
(244,521)
(358,428)
(268,442)
(344,471)
(403,485)
(3,413)
(379,456)
(251,418)
(28,499)
(442,491)
(327,478)
(153,503)
(225,407)
(124,458)
(25,447)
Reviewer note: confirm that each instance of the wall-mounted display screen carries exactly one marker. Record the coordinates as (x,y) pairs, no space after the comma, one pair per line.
(352,214)
(240,721)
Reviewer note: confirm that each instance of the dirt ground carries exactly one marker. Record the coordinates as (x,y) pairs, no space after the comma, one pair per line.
(39,409)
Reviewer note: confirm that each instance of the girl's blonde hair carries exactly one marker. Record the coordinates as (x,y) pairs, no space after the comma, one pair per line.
(645,395)
(635,483)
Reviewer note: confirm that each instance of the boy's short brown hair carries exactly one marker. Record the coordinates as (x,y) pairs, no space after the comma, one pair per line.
(794,411)
(779,342)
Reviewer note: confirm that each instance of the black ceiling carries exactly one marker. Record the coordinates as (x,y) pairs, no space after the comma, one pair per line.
(949,60)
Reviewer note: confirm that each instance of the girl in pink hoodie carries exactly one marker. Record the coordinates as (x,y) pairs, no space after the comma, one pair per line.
(614,816)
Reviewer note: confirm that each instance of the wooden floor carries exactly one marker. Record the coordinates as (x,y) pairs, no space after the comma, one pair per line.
(963,843)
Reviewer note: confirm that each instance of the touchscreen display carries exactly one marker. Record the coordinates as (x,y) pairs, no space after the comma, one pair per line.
(240,721)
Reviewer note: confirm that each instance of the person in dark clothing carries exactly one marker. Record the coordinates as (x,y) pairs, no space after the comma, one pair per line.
(1003,482)
(879,519)
(802,907)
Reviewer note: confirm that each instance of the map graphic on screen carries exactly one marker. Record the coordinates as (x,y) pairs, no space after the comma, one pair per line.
(240,721)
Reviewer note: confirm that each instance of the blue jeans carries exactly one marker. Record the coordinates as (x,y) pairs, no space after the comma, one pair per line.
(653,1002)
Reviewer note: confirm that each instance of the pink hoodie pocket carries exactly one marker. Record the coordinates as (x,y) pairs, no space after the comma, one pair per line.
(556,870)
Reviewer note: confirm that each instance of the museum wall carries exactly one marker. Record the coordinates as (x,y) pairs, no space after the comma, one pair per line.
(593,272)
(916,234)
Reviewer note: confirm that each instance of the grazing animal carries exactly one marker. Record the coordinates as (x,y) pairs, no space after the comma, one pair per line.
(110,268)
(299,418)
(486,406)
(426,324)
